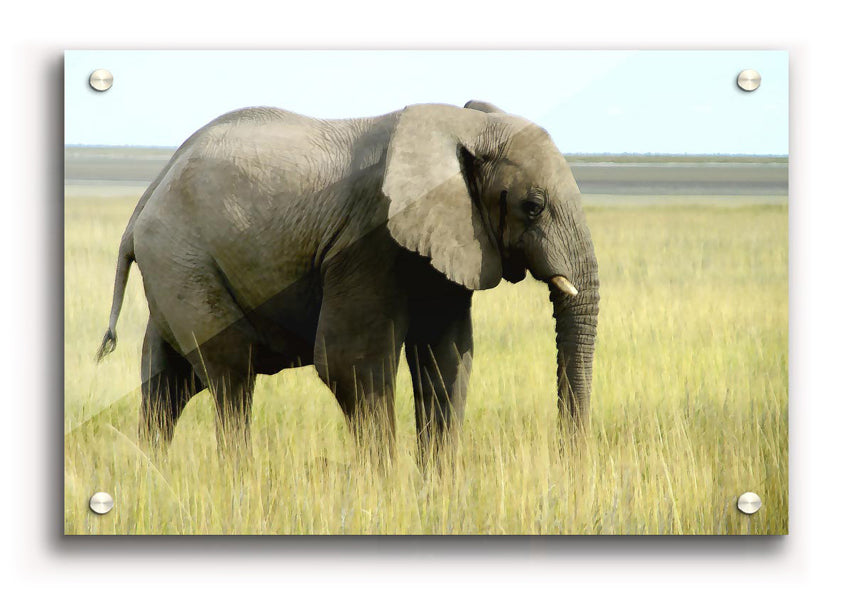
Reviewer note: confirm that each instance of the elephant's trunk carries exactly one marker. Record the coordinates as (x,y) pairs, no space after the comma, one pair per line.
(575,338)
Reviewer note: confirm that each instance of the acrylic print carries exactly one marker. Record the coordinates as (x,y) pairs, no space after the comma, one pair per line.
(426,292)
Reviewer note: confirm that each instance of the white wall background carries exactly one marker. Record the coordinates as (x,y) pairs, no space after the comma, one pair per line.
(38,562)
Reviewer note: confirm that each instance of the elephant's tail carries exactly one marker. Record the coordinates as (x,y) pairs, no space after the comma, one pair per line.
(126,256)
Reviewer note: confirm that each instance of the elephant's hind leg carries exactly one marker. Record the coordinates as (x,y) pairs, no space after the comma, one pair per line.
(233,393)
(168,382)
(224,362)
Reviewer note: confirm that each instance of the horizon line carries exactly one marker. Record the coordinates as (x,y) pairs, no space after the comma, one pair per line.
(575,153)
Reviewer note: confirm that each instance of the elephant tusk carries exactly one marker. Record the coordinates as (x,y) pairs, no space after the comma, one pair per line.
(563,284)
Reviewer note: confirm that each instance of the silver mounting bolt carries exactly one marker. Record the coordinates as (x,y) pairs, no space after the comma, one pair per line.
(100,80)
(749,80)
(101,503)
(749,503)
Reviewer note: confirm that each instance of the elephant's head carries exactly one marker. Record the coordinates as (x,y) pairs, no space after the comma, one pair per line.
(485,196)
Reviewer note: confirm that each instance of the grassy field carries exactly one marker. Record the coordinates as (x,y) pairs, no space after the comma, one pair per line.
(689,407)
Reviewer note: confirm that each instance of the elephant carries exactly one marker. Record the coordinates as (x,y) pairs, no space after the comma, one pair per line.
(274,240)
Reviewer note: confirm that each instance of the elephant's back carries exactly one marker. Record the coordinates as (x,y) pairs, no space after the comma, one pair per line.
(256,168)
(249,193)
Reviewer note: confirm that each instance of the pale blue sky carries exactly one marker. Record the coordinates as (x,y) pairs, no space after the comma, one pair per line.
(590,101)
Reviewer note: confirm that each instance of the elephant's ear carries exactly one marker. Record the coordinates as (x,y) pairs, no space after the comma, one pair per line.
(431,210)
(482,106)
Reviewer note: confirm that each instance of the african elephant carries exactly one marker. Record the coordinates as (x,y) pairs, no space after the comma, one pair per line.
(273,240)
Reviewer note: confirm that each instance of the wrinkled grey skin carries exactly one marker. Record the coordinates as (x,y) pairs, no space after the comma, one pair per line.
(274,240)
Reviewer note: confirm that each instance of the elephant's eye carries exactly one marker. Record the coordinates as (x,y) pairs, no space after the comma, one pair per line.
(533,207)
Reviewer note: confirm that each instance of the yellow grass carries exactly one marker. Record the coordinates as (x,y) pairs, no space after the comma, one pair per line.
(689,406)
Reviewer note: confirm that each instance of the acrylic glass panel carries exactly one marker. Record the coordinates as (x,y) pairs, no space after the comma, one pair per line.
(293,351)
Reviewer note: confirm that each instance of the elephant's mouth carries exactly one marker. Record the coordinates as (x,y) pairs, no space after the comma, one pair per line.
(513,269)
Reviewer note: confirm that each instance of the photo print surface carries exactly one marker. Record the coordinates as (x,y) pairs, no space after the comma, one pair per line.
(426,292)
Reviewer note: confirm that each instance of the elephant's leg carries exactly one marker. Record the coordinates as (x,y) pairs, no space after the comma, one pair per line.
(233,394)
(439,355)
(224,362)
(363,381)
(194,301)
(168,382)
(365,391)
(361,329)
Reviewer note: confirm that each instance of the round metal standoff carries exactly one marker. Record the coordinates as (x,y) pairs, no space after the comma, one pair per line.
(749,80)
(100,80)
(101,503)
(749,503)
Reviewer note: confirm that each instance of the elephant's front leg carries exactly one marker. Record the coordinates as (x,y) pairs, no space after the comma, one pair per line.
(439,354)
(361,329)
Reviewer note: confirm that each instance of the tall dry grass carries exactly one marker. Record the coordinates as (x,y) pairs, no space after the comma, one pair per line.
(689,406)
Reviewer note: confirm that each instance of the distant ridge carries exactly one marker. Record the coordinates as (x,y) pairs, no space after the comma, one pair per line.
(678,158)
(620,157)
(627,174)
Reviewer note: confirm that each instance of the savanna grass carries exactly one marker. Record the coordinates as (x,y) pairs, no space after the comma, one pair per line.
(689,408)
